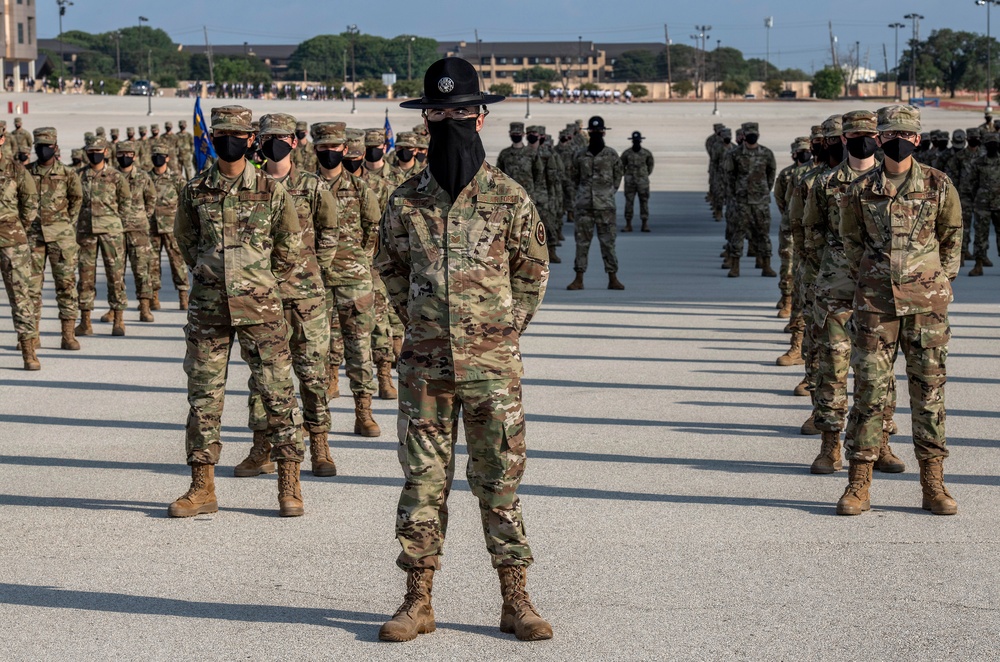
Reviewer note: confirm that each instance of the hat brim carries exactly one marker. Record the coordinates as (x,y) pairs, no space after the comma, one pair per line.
(227,126)
(424,102)
(277,132)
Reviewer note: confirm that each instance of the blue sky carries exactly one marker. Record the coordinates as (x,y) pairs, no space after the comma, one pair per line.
(799,38)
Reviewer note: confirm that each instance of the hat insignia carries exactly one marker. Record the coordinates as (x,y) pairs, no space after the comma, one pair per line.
(446,85)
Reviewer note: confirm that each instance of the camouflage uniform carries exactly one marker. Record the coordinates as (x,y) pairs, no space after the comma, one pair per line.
(984,185)
(902,248)
(18,210)
(750,173)
(52,236)
(304,154)
(566,151)
(638,165)
(548,188)
(136,223)
(106,201)
(185,151)
(596,179)
(405,140)
(466,278)
(958,168)
(521,163)
(167,187)
(22,137)
(241,239)
(784,184)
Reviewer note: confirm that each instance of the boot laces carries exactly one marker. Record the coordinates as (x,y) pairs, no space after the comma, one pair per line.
(415,591)
(515,594)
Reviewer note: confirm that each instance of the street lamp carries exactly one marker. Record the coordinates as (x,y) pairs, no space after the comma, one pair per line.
(896,26)
(409,58)
(989,54)
(915,18)
(62,4)
(149,72)
(768,24)
(353,31)
(703,35)
(718,44)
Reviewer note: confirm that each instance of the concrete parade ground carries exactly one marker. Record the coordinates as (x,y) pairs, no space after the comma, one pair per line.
(667,496)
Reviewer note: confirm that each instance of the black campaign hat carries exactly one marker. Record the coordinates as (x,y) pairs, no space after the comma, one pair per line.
(451,83)
(637,136)
(596,123)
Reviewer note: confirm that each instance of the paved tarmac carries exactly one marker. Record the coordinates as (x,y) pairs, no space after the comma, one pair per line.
(667,495)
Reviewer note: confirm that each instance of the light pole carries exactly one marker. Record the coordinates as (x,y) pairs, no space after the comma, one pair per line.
(715,109)
(149,71)
(896,26)
(409,58)
(62,12)
(703,35)
(353,31)
(915,18)
(768,24)
(118,52)
(989,49)
(527,96)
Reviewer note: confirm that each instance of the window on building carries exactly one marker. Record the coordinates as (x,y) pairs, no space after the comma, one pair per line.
(501,74)
(533,60)
(515,60)
(501,60)
(484,60)
(548,60)
(31,28)
(486,74)
(594,73)
(20,33)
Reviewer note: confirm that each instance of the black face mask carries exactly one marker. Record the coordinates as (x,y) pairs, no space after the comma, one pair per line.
(95,157)
(456,153)
(861,147)
(155,133)
(803,157)
(45,152)
(532,139)
(727,141)
(835,152)
(125,161)
(819,152)
(421,157)
(941,144)
(22,157)
(276,150)
(230,148)
(142,134)
(898,149)
(516,138)
(374,154)
(352,165)
(750,138)
(301,135)
(636,145)
(159,160)
(565,140)
(329,158)
(992,149)
(405,154)
(974,144)
(596,143)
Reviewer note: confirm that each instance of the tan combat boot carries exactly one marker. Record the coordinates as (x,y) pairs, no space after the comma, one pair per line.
(364,424)
(386,391)
(936,497)
(802,390)
(108,316)
(518,615)
(553,258)
(794,354)
(785,307)
(68,336)
(977,270)
(765,268)
(118,325)
(734,267)
(200,497)
(727,262)
(416,614)
(289,489)
(397,349)
(809,426)
(888,462)
(856,497)
(986,261)
(577,283)
(319,454)
(28,355)
(154,303)
(84,328)
(144,311)
(828,461)
(182,300)
(628,226)
(333,384)
(257,462)
(614,283)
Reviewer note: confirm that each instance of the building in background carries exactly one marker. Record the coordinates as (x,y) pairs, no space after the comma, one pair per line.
(19,49)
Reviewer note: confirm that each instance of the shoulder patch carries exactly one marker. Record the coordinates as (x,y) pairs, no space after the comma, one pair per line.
(540,233)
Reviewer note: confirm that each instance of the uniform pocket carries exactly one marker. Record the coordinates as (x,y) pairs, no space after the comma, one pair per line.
(935,335)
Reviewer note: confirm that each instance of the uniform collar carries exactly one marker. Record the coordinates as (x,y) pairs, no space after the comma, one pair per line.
(914,182)
(483,180)
(213,179)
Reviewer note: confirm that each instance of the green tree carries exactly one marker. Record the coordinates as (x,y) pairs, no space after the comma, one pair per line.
(541,88)
(536,74)
(408,88)
(372,87)
(635,65)
(828,83)
(793,74)
(503,89)
(774,87)
(240,69)
(683,88)
(736,86)
(323,57)
(638,90)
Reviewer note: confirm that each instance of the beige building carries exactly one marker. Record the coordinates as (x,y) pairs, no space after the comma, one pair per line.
(19,48)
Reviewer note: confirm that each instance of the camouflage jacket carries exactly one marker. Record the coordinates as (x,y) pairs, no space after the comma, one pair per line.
(638,165)
(984,182)
(466,278)
(143,204)
(553,173)
(18,203)
(240,240)
(185,144)
(320,233)
(304,157)
(521,164)
(357,209)
(796,214)
(379,183)
(903,247)
(59,199)
(567,153)
(167,187)
(712,140)
(960,171)
(596,179)
(783,187)
(106,200)
(751,174)
(717,156)
(23,139)
(399,175)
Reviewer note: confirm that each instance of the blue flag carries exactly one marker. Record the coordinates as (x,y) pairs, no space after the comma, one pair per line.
(389,138)
(202,144)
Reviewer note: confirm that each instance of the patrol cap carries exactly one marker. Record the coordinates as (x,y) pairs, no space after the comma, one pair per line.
(328,133)
(750,127)
(539,129)
(277,124)
(45,135)
(161,149)
(231,118)
(355,134)
(801,144)
(925,137)
(726,132)
(517,127)
(78,154)
(571,127)
(301,126)
(355,147)
(374,137)
(99,131)
(130,130)
(154,127)
(579,124)
(973,132)
(168,125)
(718,126)
(899,118)
(816,132)
(565,133)
(406,139)
(182,124)
(637,136)
(860,121)
(833,127)
(739,133)
(596,123)
(938,134)
(991,137)
(96,143)
(451,82)
(142,129)
(88,136)
(958,137)
(114,133)
(3,127)
(420,130)
(423,141)
(532,129)
(17,122)
(125,146)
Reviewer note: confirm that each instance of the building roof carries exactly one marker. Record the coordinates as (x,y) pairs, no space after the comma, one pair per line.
(470,50)
(57,46)
(614,51)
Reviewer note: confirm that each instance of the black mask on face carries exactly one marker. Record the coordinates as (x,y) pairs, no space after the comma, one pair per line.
(405,154)
(819,151)
(22,157)
(159,160)
(276,150)
(941,144)
(532,139)
(974,143)
(457,151)
(596,142)
(230,148)
(373,154)
(125,161)
(301,135)
(636,145)
(45,152)
(835,152)
(861,147)
(898,149)
(142,134)
(516,138)
(154,133)
(803,157)
(329,158)
(352,165)
(727,141)
(421,157)
(750,138)
(95,157)
(992,149)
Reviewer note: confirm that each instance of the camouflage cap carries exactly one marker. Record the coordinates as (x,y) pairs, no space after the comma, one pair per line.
(406,139)
(938,134)
(423,141)
(168,125)
(355,147)
(750,127)
(17,121)
(420,130)
(816,132)
(579,124)
(130,130)
(231,118)
(924,137)
(114,133)
(540,130)
(125,146)
(301,126)
(78,154)
(96,143)
(860,121)
(182,123)
(277,124)
(354,134)
(154,127)
(973,132)
(3,127)
(160,148)
(89,135)
(517,127)
(45,135)
(142,129)
(801,143)
(726,132)
(565,133)
(958,136)
(718,126)
(899,118)
(328,133)
(739,133)
(991,137)
(833,126)
(571,127)
(374,137)
(99,131)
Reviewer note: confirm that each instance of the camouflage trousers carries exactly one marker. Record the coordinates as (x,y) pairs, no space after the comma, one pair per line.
(715,197)
(551,222)
(751,222)
(878,338)
(633,187)
(428,430)
(786,255)
(15,268)
(113,252)
(586,221)
(387,324)
(62,254)
(352,318)
(264,347)
(178,269)
(833,364)
(309,345)
(967,207)
(984,217)
(809,336)
(139,251)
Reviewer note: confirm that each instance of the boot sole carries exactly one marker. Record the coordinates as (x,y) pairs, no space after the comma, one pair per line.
(788,362)
(324,473)
(891,469)
(823,470)
(250,473)
(533,636)
(950,511)
(866,506)
(423,629)
(205,509)
(365,433)
(387,396)
(810,433)
(292,512)
(70,348)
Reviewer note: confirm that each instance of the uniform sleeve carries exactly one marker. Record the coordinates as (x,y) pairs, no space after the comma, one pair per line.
(370,217)
(814,224)
(286,233)
(74,195)
(617,174)
(27,197)
(649,162)
(772,169)
(187,228)
(796,209)
(949,231)
(781,191)
(124,199)
(393,258)
(528,259)
(729,172)
(149,198)
(850,230)
(326,225)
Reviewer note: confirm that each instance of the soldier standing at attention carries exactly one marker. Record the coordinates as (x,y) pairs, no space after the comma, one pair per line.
(463,257)
(239,234)
(106,201)
(784,183)
(18,209)
(638,164)
(138,250)
(984,185)
(520,162)
(303,156)
(597,174)
(185,151)
(565,149)
(22,138)
(550,178)
(750,171)
(902,231)
(406,164)
(167,186)
(52,236)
